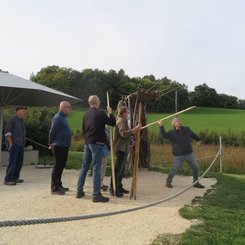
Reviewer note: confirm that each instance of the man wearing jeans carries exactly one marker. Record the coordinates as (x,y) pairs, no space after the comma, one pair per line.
(180,138)
(94,122)
(15,134)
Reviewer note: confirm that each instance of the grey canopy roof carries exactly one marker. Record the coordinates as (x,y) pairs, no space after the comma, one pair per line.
(15,90)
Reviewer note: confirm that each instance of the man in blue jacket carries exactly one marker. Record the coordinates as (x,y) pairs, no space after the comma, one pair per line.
(180,138)
(15,134)
(60,141)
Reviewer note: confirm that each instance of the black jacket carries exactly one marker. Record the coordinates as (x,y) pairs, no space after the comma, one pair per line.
(94,121)
(180,139)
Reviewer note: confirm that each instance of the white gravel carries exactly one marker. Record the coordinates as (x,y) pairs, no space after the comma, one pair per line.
(32,199)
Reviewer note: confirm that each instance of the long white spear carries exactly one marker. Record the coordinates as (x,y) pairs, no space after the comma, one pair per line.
(112,154)
(172,115)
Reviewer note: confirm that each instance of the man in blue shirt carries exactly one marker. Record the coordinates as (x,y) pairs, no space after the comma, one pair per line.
(60,141)
(15,135)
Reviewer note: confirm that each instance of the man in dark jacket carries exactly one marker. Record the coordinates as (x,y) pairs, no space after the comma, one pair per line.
(59,142)
(94,121)
(15,134)
(180,138)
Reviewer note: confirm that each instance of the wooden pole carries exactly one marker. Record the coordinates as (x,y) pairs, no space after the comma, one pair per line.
(220,155)
(172,115)
(112,153)
(176,100)
(135,107)
(136,159)
(130,155)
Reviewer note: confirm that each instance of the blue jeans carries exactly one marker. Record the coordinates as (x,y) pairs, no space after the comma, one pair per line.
(16,156)
(92,152)
(178,161)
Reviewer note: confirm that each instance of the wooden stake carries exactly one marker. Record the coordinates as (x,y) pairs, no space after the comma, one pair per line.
(136,159)
(112,153)
(130,155)
(175,114)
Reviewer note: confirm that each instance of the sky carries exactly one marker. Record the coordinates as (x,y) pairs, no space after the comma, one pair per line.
(191,42)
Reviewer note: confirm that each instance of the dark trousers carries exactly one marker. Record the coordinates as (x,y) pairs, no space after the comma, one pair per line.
(60,156)
(119,169)
(16,156)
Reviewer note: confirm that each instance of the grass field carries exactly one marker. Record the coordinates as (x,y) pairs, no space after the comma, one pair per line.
(199,119)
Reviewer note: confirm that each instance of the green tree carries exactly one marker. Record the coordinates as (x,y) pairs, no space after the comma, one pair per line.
(54,77)
(228,101)
(204,96)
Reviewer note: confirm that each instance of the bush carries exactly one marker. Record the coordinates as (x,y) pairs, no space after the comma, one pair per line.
(38,122)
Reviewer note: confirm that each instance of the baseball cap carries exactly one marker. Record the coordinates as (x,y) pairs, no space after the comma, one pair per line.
(20,108)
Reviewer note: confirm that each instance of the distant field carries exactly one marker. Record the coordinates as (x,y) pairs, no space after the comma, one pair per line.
(75,119)
(199,119)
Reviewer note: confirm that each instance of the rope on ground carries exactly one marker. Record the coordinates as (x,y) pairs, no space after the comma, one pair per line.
(103,214)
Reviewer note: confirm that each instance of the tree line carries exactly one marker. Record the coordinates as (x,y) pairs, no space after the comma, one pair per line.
(84,83)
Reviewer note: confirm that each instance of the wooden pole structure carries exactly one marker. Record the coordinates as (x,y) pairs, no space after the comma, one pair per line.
(176,100)
(112,153)
(136,158)
(172,115)
(130,155)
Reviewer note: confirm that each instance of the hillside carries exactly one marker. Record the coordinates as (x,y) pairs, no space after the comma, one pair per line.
(199,119)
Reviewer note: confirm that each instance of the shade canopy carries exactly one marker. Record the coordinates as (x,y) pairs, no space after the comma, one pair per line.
(15,90)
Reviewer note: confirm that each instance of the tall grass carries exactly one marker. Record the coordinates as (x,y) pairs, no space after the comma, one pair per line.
(232,158)
(161,158)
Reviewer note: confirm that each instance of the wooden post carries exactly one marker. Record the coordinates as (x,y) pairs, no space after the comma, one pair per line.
(136,159)
(176,100)
(220,155)
(112,153)
(130,126)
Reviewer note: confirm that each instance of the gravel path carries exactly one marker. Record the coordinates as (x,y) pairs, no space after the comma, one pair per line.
(32,199)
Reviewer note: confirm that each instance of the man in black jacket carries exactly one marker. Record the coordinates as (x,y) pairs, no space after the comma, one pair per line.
(94,122)
(180,138)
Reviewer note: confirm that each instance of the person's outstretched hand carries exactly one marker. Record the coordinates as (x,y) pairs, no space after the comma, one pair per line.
(160,123)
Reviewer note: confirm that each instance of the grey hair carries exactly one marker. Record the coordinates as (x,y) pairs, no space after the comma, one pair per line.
(93,100)
(174,120)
